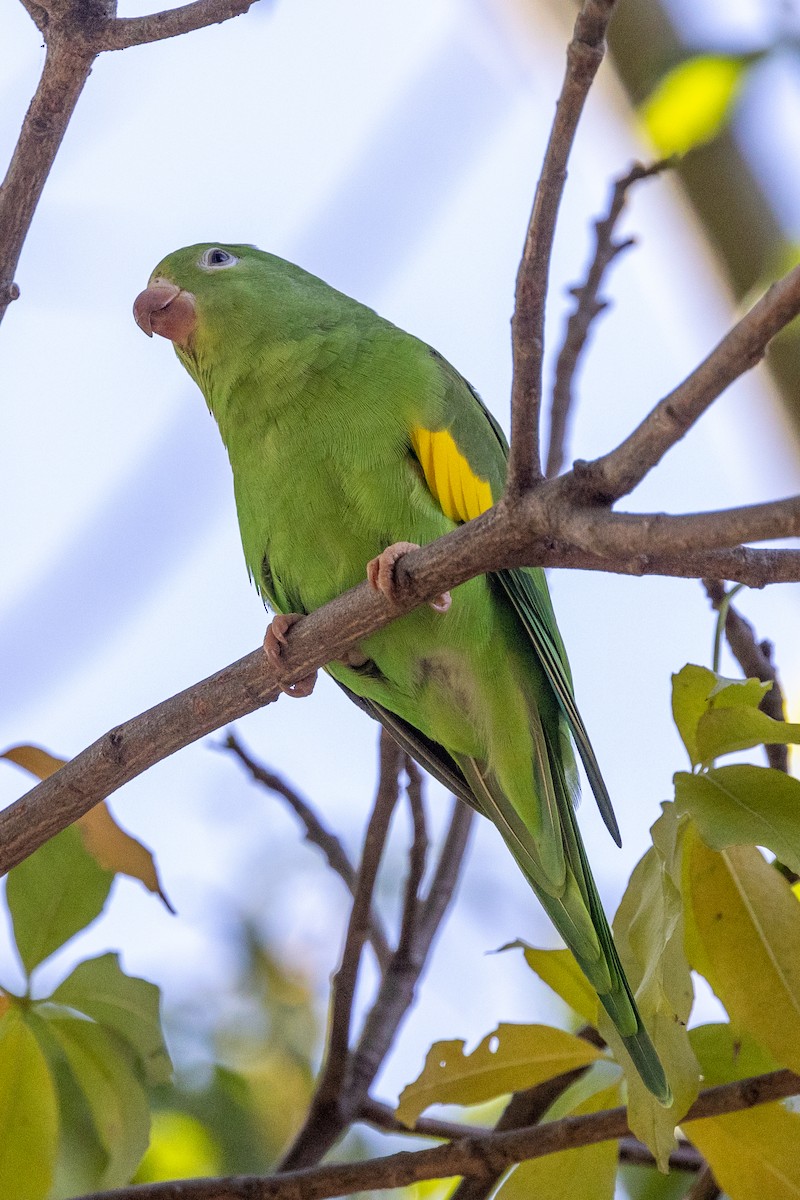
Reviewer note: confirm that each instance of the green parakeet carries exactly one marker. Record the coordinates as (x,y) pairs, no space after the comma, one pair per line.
(349,439)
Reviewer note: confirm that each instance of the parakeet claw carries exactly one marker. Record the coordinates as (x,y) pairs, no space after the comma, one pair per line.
(274,641)
(380,573)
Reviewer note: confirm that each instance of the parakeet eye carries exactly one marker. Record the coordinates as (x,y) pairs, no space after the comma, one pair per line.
(215,258)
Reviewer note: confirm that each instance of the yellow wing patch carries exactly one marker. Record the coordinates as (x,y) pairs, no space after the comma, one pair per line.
(460,493)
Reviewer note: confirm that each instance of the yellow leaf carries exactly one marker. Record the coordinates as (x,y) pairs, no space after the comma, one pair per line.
(743,935)
(116,850)
(109,844)
(559,970)
(752,1153)
(585,1173)
(34,759)
(691,103)
(648,930)
(511,1058)
(180,1148)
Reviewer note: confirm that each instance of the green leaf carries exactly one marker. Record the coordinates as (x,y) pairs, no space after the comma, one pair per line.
(726,730)
(743,935)
(725,1055)
(181,1147)
(585,1173)
(28,1112)
(693,101)
(559,970)
(100,988)
(744,805)
(648,931)
(103,1069)
(53,895)
(697,691)
(511,1058)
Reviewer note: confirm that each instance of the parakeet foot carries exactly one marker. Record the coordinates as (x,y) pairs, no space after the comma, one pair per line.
(380,573)
(274,641)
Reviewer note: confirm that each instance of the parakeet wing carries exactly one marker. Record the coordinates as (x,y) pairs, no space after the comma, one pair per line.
(465,472)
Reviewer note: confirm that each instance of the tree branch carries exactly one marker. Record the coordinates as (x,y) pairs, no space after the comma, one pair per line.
(317,834)
(616,474)
(587,309)
(123,32)
(330,1110)
(508,535)
(477,1156)
(584,55)
(66,69)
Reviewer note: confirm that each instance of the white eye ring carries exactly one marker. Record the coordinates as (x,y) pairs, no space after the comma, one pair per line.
(216,259)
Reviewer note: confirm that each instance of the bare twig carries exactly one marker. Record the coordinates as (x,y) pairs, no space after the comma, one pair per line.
(373,1112)
(755,659)
(66,69)
(584,55)
(616,474)
(155,27)
(587,308)
(75,31)
(330,1110)
(349,1074)
(472,1155)
(317,834)
(396,993)
(417,856)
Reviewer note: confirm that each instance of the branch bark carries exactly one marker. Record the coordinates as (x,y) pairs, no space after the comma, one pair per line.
(584,55)
(477,1156)
(317,834)
(587,308)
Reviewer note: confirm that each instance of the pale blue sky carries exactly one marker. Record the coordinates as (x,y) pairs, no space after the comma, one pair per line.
(393,149)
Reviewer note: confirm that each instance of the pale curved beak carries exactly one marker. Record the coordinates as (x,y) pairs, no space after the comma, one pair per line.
(167,310)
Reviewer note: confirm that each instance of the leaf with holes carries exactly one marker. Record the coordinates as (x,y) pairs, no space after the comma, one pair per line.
(511,1058)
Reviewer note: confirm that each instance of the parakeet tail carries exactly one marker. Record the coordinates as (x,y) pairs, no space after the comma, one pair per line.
(574,907)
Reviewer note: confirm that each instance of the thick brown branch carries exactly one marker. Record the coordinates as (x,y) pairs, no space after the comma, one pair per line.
(66,69)
(587,308)
(133,31)
(475,1156)
(505,536)
(317,834)
(705,1186)
(584,55)
(616,474)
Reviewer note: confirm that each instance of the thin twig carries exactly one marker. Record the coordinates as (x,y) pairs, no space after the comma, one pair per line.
(317,834)
(330,1109)
(374,1112)
(478,1156)
(587,309)
(616,474)
(154,27)
(417,856)
(755,659)
(398,986)
(584,55)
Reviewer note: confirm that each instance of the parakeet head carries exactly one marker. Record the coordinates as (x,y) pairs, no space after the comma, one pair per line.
(223,306)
